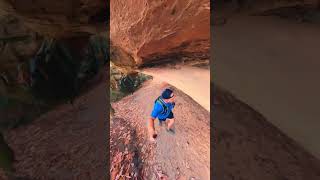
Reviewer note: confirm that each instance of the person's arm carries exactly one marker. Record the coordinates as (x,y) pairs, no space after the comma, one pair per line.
(154,115)
(151,126)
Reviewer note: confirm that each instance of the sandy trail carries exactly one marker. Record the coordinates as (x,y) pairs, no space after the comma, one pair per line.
(193,81)
(273,65)
(185,154)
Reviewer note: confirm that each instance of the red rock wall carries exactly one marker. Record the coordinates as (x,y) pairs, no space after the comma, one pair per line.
(59,17)
(149,30)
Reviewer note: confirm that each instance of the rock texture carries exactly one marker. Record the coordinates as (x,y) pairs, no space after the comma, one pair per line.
(68,142)
(59,18)
(124,153)
(182,155)
(246,146)
(17,43)
(157,30)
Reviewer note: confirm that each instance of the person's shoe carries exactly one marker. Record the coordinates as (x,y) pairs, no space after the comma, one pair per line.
(171,131)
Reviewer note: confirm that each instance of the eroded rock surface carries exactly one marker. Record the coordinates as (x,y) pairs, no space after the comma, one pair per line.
(246,146)
(59,18)
(125,161)
(68,142)
(157,30)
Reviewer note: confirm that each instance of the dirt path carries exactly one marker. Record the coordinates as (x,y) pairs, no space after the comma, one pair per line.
(65,143)
(185,154)
(193,81)
(273,65)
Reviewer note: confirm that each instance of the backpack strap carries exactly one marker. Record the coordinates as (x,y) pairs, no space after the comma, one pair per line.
(164,107)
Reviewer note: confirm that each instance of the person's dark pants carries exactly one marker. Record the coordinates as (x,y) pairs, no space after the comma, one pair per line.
(171,120)
(170,116)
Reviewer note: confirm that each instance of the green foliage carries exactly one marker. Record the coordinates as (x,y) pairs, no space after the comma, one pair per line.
(116,95)
(57,76)
(127,84)
(131,82)
(123,84)
(96,58)
(62,73)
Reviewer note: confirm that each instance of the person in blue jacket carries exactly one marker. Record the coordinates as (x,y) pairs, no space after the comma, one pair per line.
(162,110)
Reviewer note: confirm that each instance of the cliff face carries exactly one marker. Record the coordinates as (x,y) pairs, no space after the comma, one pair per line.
(24,29)
(59,18)
(156,30)
(24,25)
